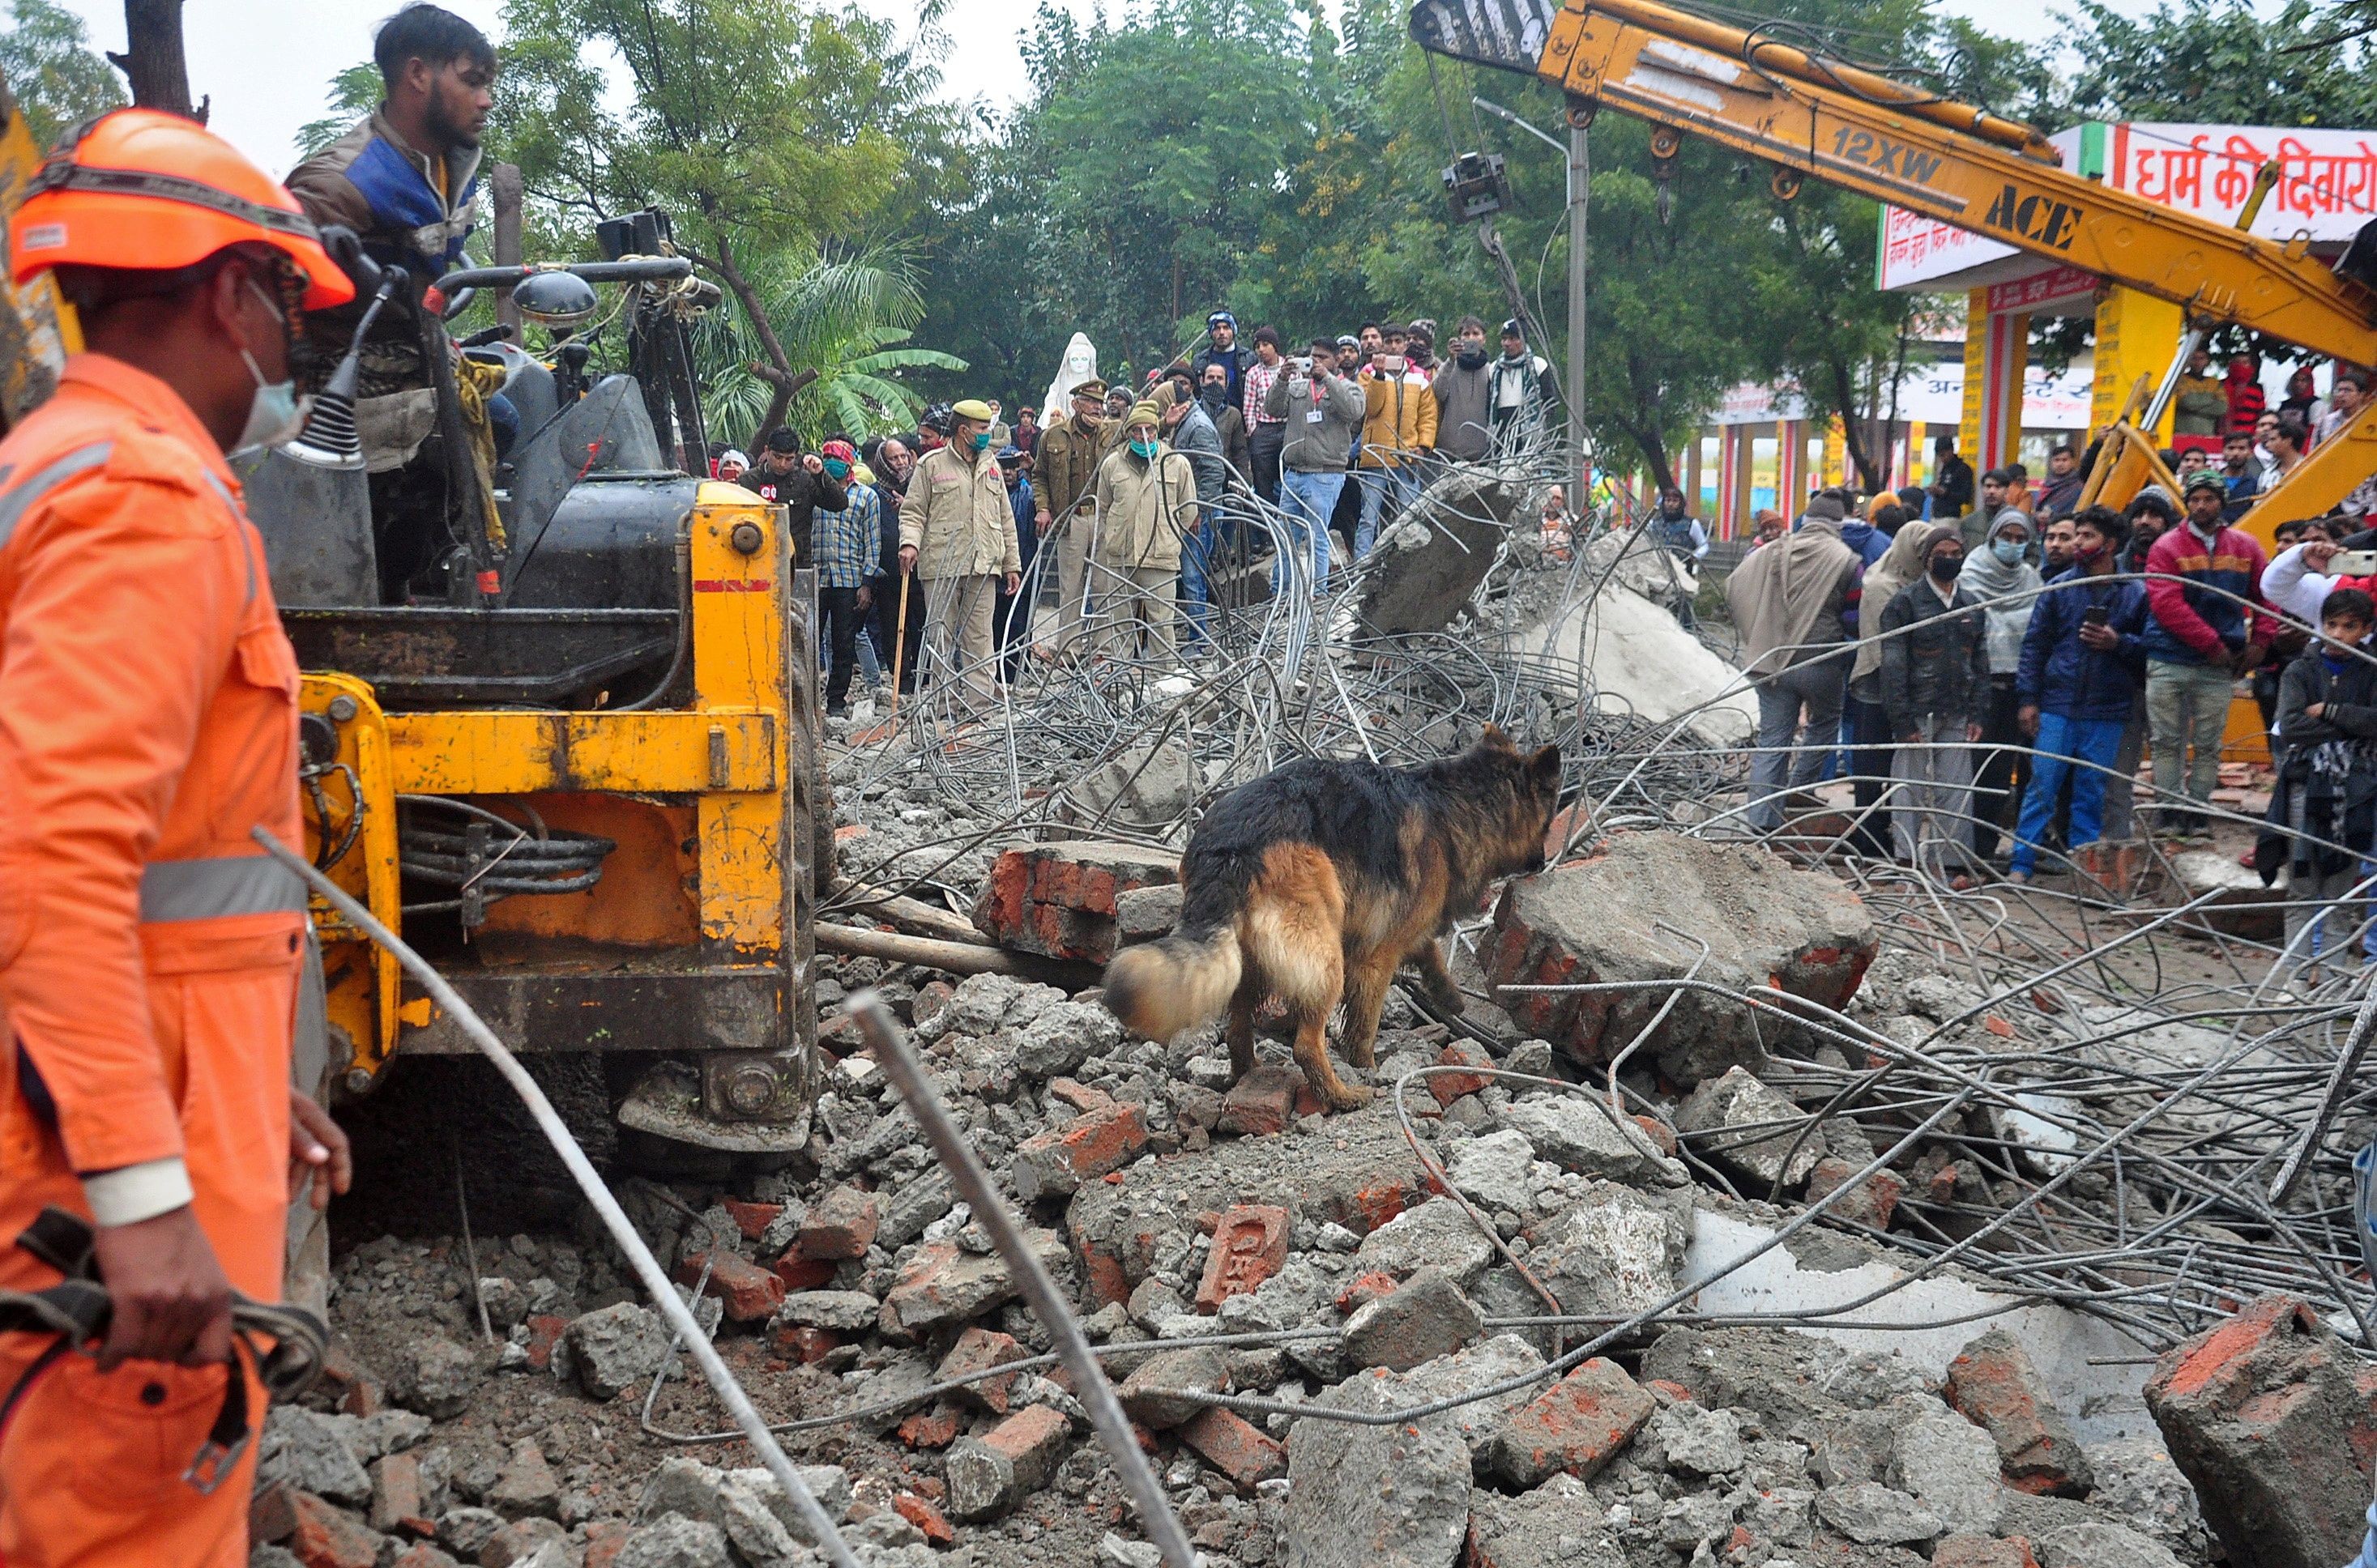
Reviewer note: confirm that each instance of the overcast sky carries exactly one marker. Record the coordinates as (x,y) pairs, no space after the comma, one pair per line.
(268,64)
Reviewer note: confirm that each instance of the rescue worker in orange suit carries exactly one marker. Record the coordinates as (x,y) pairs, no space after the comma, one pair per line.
(149,953)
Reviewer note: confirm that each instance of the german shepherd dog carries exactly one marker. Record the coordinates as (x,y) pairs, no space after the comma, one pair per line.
(1317,882)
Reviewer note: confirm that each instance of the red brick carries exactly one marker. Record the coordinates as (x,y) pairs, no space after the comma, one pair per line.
(977,1349)
(1980,1551)
(1108,1282)
(1079,1096)
(322,1536)
(1261,1104)
(1056,1163)
(272,1512)
(840,1225)
(925,1517)
(752,1220)
(800,1342)
(931,997)
(1030,1437)
(1659,1132)
(545,1332)
(424,1555)
(1449,1086)
(1366,1289)
(1872,1204)
(396,1491)
(1578,1425)
(935,1428)
(1994,1384)
(751,1294)
(803,1274)
(1249,1246)
(1225,1441)
(1059,900)
(603,1539)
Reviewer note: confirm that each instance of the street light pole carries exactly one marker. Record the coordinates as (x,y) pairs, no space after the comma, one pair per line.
(1579,190)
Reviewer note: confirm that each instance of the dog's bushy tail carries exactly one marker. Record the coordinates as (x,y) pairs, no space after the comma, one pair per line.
(1175,982)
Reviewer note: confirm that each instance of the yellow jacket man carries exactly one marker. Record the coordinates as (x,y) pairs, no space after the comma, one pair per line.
(957,535)
(1145,496)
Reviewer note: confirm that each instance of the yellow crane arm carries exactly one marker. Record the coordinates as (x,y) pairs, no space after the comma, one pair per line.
(1950,161)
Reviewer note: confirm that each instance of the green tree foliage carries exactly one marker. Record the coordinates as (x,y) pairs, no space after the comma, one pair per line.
(354,93)
(48,63)
(763,130)
(2221,64)
(849,317)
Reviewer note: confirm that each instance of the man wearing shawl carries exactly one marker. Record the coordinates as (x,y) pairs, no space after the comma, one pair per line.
(1934,683)
(1793,601)
(1870,722)
(2005,584)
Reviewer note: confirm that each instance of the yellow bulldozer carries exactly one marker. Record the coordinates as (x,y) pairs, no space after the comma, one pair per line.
(575,760)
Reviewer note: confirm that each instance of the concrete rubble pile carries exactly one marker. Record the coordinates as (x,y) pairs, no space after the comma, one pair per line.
(1228,1243)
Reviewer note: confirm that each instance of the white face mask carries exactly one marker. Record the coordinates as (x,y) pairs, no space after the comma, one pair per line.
(276,413)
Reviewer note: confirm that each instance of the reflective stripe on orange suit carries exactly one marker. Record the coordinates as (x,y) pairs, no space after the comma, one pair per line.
(148,957)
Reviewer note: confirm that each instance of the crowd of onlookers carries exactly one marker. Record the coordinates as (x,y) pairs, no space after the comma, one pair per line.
(925,542)
(1988,659)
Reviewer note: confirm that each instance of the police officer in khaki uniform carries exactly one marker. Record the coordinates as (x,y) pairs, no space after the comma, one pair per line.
(1067,461)
(957,534)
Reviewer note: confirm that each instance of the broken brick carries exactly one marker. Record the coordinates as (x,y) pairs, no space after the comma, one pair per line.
(1249,1246)
(1993,1384)
(1060,900)
(751,1294)
(935,1428)
(752,1220)
(1982,1552)
(320,1536)
(988,1475)
(978,1349)
(1366,1289)
(545,1331)
(1261,1104)
(1578,1425)
(803,1342)
(1225,1440)
(395,1491)
(1872,1204)
(1056,1163)
(925,1517)
(1449,1086)
(840,1225)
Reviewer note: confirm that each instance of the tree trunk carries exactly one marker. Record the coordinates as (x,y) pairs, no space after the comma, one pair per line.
(153,61)
(1654,447)
(1844,398)
(777,372)
(504,185)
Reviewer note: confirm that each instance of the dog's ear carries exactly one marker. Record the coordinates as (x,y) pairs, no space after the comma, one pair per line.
(1492,739)
(1543,769)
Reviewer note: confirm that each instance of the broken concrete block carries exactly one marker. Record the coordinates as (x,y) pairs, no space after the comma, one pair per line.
(844,1312)
(1056,1163)
(1493,1172)
(1982,1552)
(1872,1515)
(1151,1392)
(2262,1416)
(1491,1363)
(1993,1384)
(1578,1425)
(616,1348)
(1148,784)
(1950,1465)
(1249,1246)
(1556,1526)
(1426,1317)
(1596,922)
(1578,1135)
(1143,914)
(1738,1125)
(2103,1546)
(1059,900)
(1690,1439)
(673,1541)
(1617,1251)
(306,1449)
(1437,1234)
(988,1475)
(1375,1497)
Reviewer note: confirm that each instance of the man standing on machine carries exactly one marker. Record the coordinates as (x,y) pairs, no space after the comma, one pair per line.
(150,951)
(405,179)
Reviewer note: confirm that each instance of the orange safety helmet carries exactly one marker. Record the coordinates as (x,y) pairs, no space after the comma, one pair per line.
(147,191)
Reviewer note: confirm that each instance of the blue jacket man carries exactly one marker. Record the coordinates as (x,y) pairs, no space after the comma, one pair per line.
(2084,659)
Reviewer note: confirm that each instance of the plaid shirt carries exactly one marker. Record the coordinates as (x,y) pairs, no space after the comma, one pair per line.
(849,543)
(1259,379)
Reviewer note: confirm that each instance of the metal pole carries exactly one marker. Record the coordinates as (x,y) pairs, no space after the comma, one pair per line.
(1580,170)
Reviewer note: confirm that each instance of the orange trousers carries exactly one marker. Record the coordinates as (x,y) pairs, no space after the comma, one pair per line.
(92,1465)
